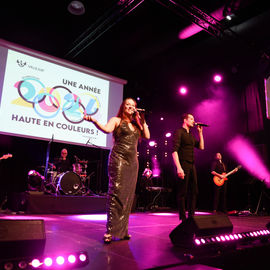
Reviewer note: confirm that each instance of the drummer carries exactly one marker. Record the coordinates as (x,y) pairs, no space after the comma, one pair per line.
(63,164)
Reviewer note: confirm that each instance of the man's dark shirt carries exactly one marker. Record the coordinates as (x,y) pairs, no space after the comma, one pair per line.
(218,167)
(62,165)
(183,144)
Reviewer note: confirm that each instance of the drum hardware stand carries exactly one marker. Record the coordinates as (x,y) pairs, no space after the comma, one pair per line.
(85,189)
(263,193)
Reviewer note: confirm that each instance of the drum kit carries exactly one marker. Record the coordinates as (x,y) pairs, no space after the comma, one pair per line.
(75,182)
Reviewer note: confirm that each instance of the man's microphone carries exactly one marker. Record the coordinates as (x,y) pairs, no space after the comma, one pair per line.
(201,124)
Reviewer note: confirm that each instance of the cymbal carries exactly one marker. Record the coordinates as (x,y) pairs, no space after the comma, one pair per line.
(83,161)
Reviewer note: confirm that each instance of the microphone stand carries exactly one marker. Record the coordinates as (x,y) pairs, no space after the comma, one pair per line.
(47,158)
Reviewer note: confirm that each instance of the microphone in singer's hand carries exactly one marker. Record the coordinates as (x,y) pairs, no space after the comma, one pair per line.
(201,124)
(140,110)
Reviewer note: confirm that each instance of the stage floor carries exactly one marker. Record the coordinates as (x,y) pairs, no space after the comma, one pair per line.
(149,248)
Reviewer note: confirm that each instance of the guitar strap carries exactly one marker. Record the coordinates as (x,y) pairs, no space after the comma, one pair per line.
(224,169)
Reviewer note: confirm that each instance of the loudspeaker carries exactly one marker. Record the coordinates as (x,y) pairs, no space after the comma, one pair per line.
(203,225)
(21,238)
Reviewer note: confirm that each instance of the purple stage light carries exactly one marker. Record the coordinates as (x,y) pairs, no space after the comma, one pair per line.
(152,143)
(82,257)
(197,242)
(168,134)
(71,258)
(48,261)
(217,78)
(182,90)
(60,260)
(35,263)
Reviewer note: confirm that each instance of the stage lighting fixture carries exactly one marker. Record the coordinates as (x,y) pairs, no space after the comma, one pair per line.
(63,261)
(232,238)
(183,90)
(76,8)
(152,143)
(217,78)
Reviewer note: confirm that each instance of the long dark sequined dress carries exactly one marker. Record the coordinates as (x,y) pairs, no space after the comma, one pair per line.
(123,172)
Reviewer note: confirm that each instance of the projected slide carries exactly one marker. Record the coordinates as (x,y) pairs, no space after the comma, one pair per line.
(44,100)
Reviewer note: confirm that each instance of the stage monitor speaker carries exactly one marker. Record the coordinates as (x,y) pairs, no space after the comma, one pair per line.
(21,238)
(203,225)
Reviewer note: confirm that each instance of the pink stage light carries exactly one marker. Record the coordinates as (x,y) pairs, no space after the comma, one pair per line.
(182,90)
(152,143)
(35,263)
(71,258)
(60,260)
(82,257)
(168,134)
(217,78)
(48,261)
(245,154)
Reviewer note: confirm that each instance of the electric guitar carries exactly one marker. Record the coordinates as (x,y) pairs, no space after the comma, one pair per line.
(220,181)
(6,156)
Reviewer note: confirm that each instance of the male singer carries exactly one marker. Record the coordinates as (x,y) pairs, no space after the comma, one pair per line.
(183,157)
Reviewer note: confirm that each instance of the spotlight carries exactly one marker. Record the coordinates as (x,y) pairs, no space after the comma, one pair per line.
(182,90)
(76,8)
(217,78)
(60,260)
(152,143)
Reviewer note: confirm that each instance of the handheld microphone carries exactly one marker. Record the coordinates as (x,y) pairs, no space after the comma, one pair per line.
(201,124)
(140,110)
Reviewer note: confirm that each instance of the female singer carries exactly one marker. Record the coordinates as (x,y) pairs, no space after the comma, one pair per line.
(127,127)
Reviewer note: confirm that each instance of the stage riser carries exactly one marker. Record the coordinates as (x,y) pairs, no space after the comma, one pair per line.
(48,204)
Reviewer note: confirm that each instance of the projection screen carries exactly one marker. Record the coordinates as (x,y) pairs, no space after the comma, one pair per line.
(43,97)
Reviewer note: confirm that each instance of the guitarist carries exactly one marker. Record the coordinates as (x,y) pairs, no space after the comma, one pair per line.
(218,169)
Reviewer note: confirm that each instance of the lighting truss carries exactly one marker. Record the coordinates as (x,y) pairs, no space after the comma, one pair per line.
(208,23)
(185,9)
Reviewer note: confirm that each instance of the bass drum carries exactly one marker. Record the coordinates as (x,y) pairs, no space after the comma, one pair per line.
(69,183)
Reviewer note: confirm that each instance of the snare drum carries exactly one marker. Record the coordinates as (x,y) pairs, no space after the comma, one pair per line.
(69,183)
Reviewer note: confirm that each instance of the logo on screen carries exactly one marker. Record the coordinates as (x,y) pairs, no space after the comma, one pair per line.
(21,63)
(48,102)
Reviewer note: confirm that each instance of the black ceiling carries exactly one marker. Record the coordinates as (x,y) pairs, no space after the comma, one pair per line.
(142,46)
